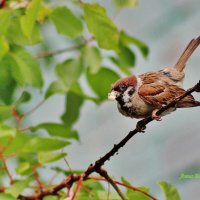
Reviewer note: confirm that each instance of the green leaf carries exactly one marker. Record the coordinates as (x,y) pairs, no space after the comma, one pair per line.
(26,69)
(30,157)
(132,194)
(125,3)
(73,104)
(25,97)
(171,193)
(56,87)
(58,130)
(126,57)
(50,156)
(4,196)
(4,21)
(69,71)
(16,35)
(51,197)
(66,22)
(112,195)
(101,26)
(7,83)
(76,89)
(16,188)
(93,186)
(38,144)
(93,58)
(23,167)
(101,82)
(138,196)
(125,60)
(28,21)
(5,112)
(7,131)
(16,145)
(66,172)
(44,12)
(127,39)
(4,47)
(124,69)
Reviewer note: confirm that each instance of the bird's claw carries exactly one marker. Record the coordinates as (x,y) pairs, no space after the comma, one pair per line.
(155,116)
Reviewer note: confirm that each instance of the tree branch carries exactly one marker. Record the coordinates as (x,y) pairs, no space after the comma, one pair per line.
(6,169)
(45,54)
(104,174)
(141,125)
(124,185)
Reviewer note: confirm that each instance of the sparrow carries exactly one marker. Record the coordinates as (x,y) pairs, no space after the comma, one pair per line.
(143,95)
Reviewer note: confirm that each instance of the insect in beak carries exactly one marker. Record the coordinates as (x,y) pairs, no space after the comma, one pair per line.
(113,95)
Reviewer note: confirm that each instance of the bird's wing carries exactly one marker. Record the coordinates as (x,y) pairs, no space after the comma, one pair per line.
(159,95)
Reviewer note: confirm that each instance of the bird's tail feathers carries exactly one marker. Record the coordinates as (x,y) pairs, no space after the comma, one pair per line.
(194,43)
(188,104)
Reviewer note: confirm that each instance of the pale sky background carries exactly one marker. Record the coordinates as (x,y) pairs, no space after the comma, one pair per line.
(168,148)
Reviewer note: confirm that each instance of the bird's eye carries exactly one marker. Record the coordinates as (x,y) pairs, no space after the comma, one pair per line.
(122,87)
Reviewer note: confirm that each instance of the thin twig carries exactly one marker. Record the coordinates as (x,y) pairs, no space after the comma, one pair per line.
(79,183)
(104,174)
(37,178)
(108,194)
(45,54)
(19,117)
(124,185)
(67,163)
(2,189)
(34,108)
(53,178)
(6,169)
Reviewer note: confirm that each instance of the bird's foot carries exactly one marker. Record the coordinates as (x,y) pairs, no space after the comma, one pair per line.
(155,116)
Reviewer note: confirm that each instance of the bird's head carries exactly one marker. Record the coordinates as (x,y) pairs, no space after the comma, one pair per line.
(123,89)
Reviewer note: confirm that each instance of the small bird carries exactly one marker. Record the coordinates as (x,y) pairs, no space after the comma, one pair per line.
(143,95)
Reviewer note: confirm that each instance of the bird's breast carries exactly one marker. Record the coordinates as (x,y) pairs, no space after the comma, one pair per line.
(135,108)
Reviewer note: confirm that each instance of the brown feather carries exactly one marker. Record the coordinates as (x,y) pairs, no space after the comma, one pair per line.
(194,43)
(162,94)
(129,81)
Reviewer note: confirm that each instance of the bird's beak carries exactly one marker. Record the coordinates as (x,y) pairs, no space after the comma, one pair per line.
(113,95)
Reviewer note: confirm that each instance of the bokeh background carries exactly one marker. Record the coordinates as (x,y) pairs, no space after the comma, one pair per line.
(168,148)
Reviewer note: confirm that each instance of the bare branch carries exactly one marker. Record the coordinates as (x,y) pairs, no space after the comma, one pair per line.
(45,54)
(124,185)
(37,178)
(104,174)
(6,169)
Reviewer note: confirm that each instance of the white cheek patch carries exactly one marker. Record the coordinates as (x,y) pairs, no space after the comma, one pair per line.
(127,97)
